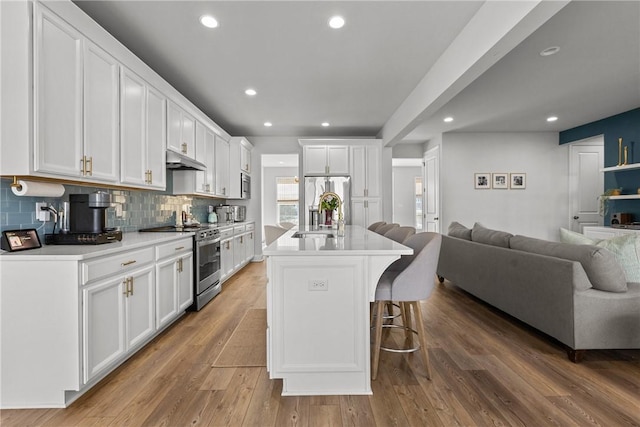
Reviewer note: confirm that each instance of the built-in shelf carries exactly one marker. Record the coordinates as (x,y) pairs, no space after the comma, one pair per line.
(621,168)
(625,197)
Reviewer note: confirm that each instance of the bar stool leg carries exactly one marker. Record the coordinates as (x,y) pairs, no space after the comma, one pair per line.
(421,335)
(379,306)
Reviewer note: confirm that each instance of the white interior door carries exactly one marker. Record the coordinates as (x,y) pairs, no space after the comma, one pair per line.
(431,188)
(586,182)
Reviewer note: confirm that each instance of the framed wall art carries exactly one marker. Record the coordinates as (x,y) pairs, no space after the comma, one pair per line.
(482,181)
(518,181)
(500,181)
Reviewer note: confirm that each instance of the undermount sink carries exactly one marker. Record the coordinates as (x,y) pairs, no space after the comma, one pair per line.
(322,234)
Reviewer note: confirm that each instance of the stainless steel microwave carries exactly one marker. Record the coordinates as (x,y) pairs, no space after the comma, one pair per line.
(245,186)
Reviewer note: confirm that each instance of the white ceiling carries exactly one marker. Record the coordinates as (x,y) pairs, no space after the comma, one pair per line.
(357,77)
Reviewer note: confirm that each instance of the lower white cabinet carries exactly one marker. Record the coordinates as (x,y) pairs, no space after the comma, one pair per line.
(249,245)
(174,281)
(226,258)
(117,316)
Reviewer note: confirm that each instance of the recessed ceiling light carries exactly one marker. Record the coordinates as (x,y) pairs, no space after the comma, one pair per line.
(250,92)
(550,51)
(325,124)
(552,119)
(268,124)
(448,119)
(208,21)
(336,22)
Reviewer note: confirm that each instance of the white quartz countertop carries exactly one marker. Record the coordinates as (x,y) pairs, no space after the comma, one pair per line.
(132,240)
(356,241)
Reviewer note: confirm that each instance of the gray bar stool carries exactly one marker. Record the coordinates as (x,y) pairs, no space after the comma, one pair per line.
(385,228)
(399,234)
(407,281)
(375,225)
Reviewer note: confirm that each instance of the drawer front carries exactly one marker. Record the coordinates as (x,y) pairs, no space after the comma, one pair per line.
(115,264)
(226,233)
(250,226)
(238,229)
(173,248)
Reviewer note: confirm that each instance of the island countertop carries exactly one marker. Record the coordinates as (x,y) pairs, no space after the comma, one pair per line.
(356,241)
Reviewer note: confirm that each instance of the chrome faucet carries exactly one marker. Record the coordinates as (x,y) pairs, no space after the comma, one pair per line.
(331,194)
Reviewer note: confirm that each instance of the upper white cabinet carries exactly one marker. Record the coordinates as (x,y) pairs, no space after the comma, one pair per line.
(181,130)
(365,170)
(326,159)
(142,133)
(239,163)
(76,103)
(199,182)
(222,167)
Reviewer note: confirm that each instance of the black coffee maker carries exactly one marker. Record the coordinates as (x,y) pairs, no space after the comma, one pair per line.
(88,212)
(87,221)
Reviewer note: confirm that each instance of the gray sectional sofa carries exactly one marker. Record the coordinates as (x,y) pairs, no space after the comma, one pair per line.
(577,294)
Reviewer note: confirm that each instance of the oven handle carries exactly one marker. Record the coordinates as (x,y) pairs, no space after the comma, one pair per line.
(207,242)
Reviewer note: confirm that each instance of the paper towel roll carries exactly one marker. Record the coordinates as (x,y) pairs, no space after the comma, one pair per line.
(38,189)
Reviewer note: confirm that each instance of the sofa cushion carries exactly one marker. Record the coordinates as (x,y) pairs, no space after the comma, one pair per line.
(487,236)
(460,231)
(603,271)
(625,248)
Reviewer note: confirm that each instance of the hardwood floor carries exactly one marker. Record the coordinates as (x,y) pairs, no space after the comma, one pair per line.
(487,369)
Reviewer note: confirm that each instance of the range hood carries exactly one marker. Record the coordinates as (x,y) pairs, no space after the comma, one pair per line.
(179,161)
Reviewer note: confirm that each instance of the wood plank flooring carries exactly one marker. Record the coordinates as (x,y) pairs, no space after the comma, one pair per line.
(487,369)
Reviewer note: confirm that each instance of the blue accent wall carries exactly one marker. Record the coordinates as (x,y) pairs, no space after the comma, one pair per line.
(130,210)
(626,126)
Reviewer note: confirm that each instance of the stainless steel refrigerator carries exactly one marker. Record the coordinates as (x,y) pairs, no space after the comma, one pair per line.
(314,186)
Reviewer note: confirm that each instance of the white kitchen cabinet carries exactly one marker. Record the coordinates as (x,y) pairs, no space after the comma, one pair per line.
(249,244)
(174,280)
(245,158)
(181,130)
(239,163)
(366,211)
(118,315)
(226,258)
(199,182)
(238,251)
(326,159)
(76,103)
(365,170)
(142,133)
(222,167)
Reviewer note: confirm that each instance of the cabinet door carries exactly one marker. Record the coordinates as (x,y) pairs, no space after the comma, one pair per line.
(201,156)
(358,213)
(315,159)
(249,246)
(374,210)
(358,171)
(139,307)
(58,96)
(101,122)
(338,160)
(226,257)
(188,146)
(245,159)
(373,176)
(166,292)
(174,127)
(185,282)
(132,129)
(238,251)
(365,212)
(222,167)
(156,139)
(103,325)
(210,161)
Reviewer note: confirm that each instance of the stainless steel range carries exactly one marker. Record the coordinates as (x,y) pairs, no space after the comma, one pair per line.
(206,261)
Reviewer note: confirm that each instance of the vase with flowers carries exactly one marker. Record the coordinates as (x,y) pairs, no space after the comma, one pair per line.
(329,205)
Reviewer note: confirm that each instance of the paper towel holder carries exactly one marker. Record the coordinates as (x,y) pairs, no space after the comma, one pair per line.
(16,184)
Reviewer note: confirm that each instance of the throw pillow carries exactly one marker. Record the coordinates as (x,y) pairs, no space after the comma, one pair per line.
(487,236)
(460,231)
(603,270)
(625,248)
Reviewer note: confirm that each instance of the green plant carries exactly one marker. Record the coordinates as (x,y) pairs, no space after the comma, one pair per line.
(329,204)
(604,199)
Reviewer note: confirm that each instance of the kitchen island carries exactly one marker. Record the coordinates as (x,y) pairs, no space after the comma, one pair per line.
(318,294)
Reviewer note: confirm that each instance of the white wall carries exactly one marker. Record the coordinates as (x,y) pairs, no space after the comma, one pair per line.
(537,211)
(404,205)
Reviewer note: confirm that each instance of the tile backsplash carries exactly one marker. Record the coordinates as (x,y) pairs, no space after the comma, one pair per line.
(130,209)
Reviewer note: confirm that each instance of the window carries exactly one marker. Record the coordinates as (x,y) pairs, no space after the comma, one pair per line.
(287,199)
(419,209)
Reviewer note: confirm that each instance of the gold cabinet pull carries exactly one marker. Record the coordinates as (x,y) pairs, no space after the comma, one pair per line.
(184,147)
(131,285)
(90,169)
(124,264)
(180,248)
(83,165)
(150,176)
(128,286)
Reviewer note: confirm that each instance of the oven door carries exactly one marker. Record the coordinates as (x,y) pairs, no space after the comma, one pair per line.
(207,264)
(245,181)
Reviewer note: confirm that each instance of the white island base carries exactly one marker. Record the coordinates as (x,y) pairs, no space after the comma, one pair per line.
(318,294)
